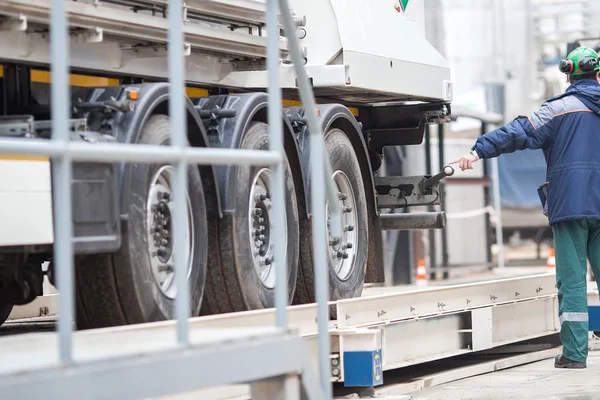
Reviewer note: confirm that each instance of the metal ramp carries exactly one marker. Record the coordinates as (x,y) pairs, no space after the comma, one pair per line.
(137,362)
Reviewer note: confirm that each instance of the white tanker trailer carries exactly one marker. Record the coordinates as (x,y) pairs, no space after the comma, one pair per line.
(377,82)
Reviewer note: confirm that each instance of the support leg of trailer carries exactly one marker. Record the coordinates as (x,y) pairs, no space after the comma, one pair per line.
(445,272)
(285,387)
(486,200)
(430,208)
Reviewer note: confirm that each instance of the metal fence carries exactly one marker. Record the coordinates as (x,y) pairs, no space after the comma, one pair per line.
(63,153)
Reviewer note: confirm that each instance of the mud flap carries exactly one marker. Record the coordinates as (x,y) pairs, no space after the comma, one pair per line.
(96,222)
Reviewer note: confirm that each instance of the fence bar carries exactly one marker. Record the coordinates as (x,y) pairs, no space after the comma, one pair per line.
(101,152)
(498,211)
(278,182)
(61,177)
(179,141)
(318,181)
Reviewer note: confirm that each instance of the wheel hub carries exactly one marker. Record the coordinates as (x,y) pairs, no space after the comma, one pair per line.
(342,252)
(160,232)
(260,224)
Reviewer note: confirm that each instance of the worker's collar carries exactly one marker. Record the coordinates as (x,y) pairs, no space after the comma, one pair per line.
(586,82)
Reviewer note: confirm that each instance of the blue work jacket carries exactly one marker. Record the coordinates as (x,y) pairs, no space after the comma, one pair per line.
(567,129)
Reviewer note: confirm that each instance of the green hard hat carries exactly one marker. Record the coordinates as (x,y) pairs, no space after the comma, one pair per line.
(580,61)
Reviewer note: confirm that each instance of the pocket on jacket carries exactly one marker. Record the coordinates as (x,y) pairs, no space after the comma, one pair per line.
(543,194)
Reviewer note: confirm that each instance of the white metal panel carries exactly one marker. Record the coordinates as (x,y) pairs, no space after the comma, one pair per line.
(322,39)
(525,320)
(26,198)
(363,47)
(436,300)
(362,339)
(482,327)
(387,48)
(423,340)
(395,75)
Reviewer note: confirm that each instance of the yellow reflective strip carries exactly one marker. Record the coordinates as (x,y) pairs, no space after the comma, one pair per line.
(85,80)
(19,157)
(196,92)
(75,80)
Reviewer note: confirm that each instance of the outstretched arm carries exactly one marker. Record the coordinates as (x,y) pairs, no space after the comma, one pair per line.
(522,133)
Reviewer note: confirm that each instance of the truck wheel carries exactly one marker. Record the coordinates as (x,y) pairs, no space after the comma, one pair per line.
(246,276)
(136,284)
(348,258)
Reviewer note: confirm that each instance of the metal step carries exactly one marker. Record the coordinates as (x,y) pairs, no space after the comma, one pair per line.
(409,221)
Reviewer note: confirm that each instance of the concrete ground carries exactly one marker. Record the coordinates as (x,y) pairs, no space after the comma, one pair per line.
(539,380)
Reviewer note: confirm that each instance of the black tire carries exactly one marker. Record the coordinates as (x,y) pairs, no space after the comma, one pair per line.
(120,288)
(343,158)
(234,284)
(5,310)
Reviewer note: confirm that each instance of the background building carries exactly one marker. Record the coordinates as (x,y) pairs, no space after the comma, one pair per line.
(503,55)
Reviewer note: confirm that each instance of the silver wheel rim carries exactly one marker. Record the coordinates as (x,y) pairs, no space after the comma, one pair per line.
(160,236)
(260,228)
(342,253)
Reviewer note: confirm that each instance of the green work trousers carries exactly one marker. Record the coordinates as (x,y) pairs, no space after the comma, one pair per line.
(574,242)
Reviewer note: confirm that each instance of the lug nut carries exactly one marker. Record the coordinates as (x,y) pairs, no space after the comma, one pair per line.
(344,255)
(268,260)
(348,245)
(334,242)
(257,212)
(342,196)
(163,196)
(161,252)
(165,268)
(349,228)
(157,228)
(347,209)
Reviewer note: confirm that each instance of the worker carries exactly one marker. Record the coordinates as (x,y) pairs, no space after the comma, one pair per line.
(566,129)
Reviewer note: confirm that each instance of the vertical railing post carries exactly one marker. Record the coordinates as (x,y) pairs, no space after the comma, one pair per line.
(318,194)
(177,114)
(61,177)
(498,211)
(276,144)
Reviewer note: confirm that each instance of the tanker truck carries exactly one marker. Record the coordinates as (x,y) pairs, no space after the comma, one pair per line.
(377,83)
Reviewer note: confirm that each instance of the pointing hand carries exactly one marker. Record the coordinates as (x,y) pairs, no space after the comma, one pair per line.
(465,162)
